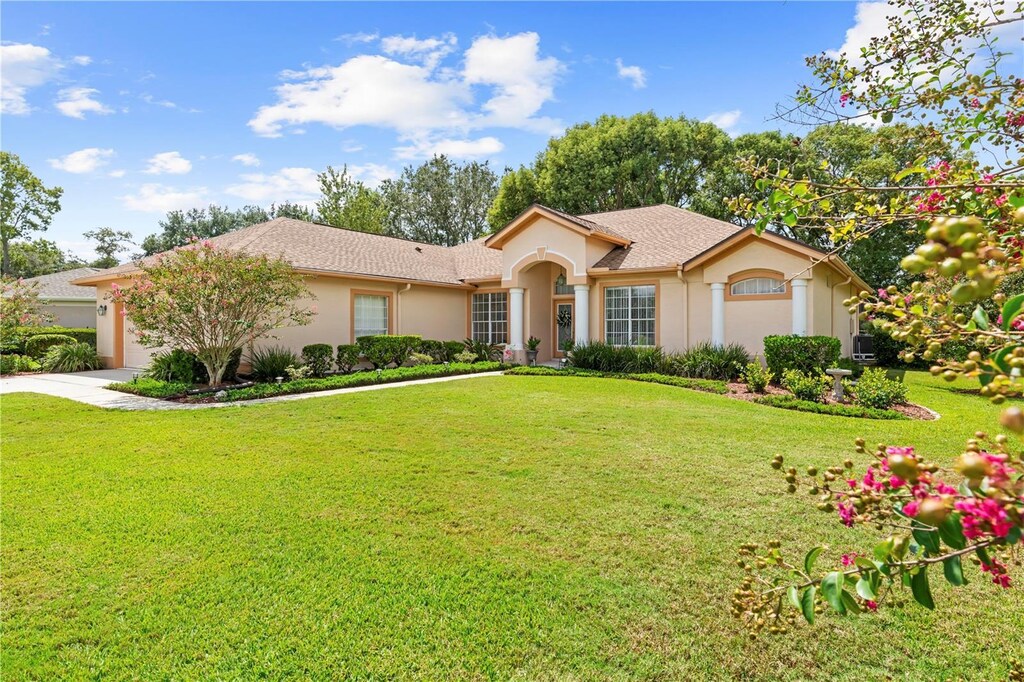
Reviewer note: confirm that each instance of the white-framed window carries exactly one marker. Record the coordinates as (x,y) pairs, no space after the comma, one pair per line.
(758,286)
(370,314)
(629,315)
(490,317)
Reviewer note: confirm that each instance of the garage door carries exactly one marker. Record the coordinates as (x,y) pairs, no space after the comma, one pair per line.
(135,354)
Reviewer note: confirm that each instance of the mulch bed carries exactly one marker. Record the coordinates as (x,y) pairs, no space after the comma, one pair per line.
(740,392)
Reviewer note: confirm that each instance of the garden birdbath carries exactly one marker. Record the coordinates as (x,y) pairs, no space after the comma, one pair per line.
(837,386)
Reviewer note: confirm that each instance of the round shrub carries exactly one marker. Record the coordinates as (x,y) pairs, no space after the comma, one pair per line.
(875,390)
(37,346)
(319,358)
(348,357)
(71,357)
(809,354)
(756,377)
(803,386)
(466,356)
(417,359)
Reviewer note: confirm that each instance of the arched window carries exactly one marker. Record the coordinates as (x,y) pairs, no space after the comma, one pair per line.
(754,286)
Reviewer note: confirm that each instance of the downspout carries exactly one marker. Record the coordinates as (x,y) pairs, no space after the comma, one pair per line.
(398,313)
(832,305)
(686,306)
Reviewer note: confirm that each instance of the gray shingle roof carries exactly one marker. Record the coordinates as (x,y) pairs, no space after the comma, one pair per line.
(662,236)
(58,284)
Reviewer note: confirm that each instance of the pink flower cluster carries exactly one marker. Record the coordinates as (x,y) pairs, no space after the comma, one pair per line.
(844,98)
(1014,120)
(998,571)
(932,203)
(983,517)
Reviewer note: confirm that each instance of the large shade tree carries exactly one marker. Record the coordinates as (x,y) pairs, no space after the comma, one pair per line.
(36,257)
(26,204)
(212,301)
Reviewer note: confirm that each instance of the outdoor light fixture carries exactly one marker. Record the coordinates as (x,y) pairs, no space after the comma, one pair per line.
(101,310)
(279,379)
(135,375)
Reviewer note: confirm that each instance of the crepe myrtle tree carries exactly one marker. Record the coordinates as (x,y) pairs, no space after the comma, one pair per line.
(935,513)
(211,301)
(19,307)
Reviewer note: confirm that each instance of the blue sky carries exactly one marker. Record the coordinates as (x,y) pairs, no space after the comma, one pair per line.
(139,108)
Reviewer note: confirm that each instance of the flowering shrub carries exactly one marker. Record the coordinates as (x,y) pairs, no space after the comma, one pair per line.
(19,307)
(211,301)
(809,387)
(757,377)
(940,64)
(875,390)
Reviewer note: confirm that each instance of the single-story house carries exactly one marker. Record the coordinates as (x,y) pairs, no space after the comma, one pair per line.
(658,275)
(71,305)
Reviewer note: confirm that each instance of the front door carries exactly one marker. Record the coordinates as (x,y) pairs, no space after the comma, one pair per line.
(564,326)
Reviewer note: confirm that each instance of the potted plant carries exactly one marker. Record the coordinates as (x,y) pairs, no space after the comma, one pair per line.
(532,344)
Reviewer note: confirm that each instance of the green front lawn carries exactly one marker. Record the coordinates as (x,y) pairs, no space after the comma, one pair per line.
(505,527)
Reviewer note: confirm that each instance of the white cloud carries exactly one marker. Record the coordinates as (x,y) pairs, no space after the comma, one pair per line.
(428,51)
(351,147)
(423,148)
(523,81)
(351,39)
(288,184)
(372,173)
(365,90)
(119,173)
(172,163)
(157,198)
(82,60)
(25,66)
(77,102)
(871,20)
(246,159)
(165,103)
(417,99)
(632,73)
(725,120)
(83,161)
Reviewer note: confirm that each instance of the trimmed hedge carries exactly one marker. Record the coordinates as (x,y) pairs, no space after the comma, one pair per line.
(319,358)
(15,343)
(385,376)
(789,403)
(382,350)
(348,357)
(705,385)
(37,346)
(152,388)
(809,354)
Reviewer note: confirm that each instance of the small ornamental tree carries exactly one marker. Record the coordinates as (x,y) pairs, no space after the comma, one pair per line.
(938,63)
(211,301)
(19,307)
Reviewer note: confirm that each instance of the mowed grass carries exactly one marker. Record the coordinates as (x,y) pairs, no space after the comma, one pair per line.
(503,528)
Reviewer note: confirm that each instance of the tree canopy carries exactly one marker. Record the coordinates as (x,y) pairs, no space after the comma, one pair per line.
(26,204)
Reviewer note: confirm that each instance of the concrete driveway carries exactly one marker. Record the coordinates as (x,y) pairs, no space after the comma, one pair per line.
(85,387)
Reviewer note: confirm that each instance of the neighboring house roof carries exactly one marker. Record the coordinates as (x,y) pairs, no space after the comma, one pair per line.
(647,238)
(58,287)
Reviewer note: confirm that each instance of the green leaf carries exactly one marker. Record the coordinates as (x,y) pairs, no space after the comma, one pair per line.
(983,555)
(913,170)
(811,558)
(883,549)
(1013,537)
(832,588)
(954,571)
(920,589)
(794,597)
(1011,309)
(790,219)
(866,589)
(807,603)
(928,539)
(951,531)
(980,318)
(800,189)
(850,602)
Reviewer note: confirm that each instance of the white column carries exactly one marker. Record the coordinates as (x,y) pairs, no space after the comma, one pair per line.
(516,321)
(718,314)
(582,312)
(799,306)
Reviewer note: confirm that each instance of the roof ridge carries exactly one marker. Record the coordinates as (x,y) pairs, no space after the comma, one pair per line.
(372,234)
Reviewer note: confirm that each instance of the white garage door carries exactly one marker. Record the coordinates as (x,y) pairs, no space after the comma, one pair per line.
(135,354)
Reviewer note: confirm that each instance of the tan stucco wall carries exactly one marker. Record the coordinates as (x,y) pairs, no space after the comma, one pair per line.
(104,324)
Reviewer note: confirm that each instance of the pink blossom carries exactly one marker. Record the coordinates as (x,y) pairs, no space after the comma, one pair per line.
(871,605)
(998,572)
(883,294)
(910,508)
(1001,199)
(983,517)
(846,513)
(975,103)
(844,98)
(848,559)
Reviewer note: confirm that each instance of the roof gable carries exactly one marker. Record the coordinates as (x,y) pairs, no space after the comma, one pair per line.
(534,212)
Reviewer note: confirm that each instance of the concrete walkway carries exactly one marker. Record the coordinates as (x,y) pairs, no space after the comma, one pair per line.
(88,388)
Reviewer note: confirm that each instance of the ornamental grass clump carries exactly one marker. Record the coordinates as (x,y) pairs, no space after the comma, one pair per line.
(71,357)
(270,362)
(708,361)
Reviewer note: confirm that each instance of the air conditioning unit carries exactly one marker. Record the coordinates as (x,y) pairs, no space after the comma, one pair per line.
(864,348)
